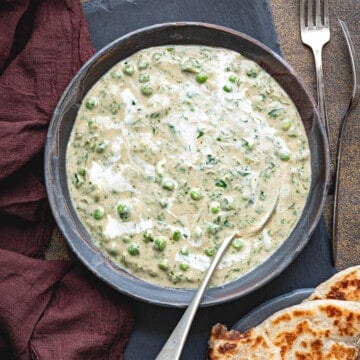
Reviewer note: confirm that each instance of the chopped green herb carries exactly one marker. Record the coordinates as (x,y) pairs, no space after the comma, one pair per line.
(123,211)
(228,224)
(100,148)
(171,128)
(191,66)
(176,235)
(220,183)
(251,73)
(81,172)
(147,237)
(274,113)
(164,264)
(210,252)
(210,159)
(200,133)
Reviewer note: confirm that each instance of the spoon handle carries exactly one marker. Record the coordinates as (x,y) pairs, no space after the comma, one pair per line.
(173,347)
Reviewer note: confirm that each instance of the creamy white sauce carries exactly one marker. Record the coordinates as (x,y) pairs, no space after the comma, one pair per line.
(167,160)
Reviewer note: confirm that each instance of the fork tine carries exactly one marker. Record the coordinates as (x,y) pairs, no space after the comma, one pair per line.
(302,14)
(326,13)
(318,13)
(310,21)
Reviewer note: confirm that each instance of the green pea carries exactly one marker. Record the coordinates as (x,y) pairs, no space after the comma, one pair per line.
(143,64)
(146,89)
(195,194)
(191,66)
(232,78)
(156,57)
(237,244)
(210,252)
(285,156)
(168,184)
(213,229)
(215,207)
(201,78)
(123,211)
(176,235)
(159,243)
(184,251)
(285,124)
(227,88)
(91,103)
(115,74)
(147,237)
(163,264)
(99,213)
(100,148)
(114,107)
(128,69)
(133,249)
(184,266)
(144,77)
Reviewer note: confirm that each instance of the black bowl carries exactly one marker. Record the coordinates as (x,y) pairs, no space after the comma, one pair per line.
(61,125)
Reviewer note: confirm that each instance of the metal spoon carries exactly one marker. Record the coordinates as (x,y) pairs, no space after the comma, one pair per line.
(174,345)
(355,99)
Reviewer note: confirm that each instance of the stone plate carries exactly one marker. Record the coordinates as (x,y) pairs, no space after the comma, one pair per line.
(65,113)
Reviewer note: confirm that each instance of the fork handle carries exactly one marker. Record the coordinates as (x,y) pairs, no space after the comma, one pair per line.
(320,89)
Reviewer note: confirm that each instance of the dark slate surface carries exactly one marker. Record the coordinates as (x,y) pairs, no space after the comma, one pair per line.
(111,19)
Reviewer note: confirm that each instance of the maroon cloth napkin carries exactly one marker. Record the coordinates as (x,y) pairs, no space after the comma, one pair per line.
(48,309)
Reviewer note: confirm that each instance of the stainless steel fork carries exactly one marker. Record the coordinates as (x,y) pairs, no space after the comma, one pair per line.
(315,34)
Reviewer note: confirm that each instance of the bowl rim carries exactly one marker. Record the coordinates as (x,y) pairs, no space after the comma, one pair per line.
(73,231)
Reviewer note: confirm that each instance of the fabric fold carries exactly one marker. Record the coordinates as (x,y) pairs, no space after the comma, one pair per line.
(48,309)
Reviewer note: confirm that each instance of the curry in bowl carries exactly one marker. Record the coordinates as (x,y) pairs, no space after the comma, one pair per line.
(177,147)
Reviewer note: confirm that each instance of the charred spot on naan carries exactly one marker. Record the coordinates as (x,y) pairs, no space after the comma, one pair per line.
(336,351)
(344,285)
(345,321)
(348,289)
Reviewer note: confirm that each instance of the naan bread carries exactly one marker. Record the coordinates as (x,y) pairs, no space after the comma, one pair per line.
(313,330)
(345,285)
